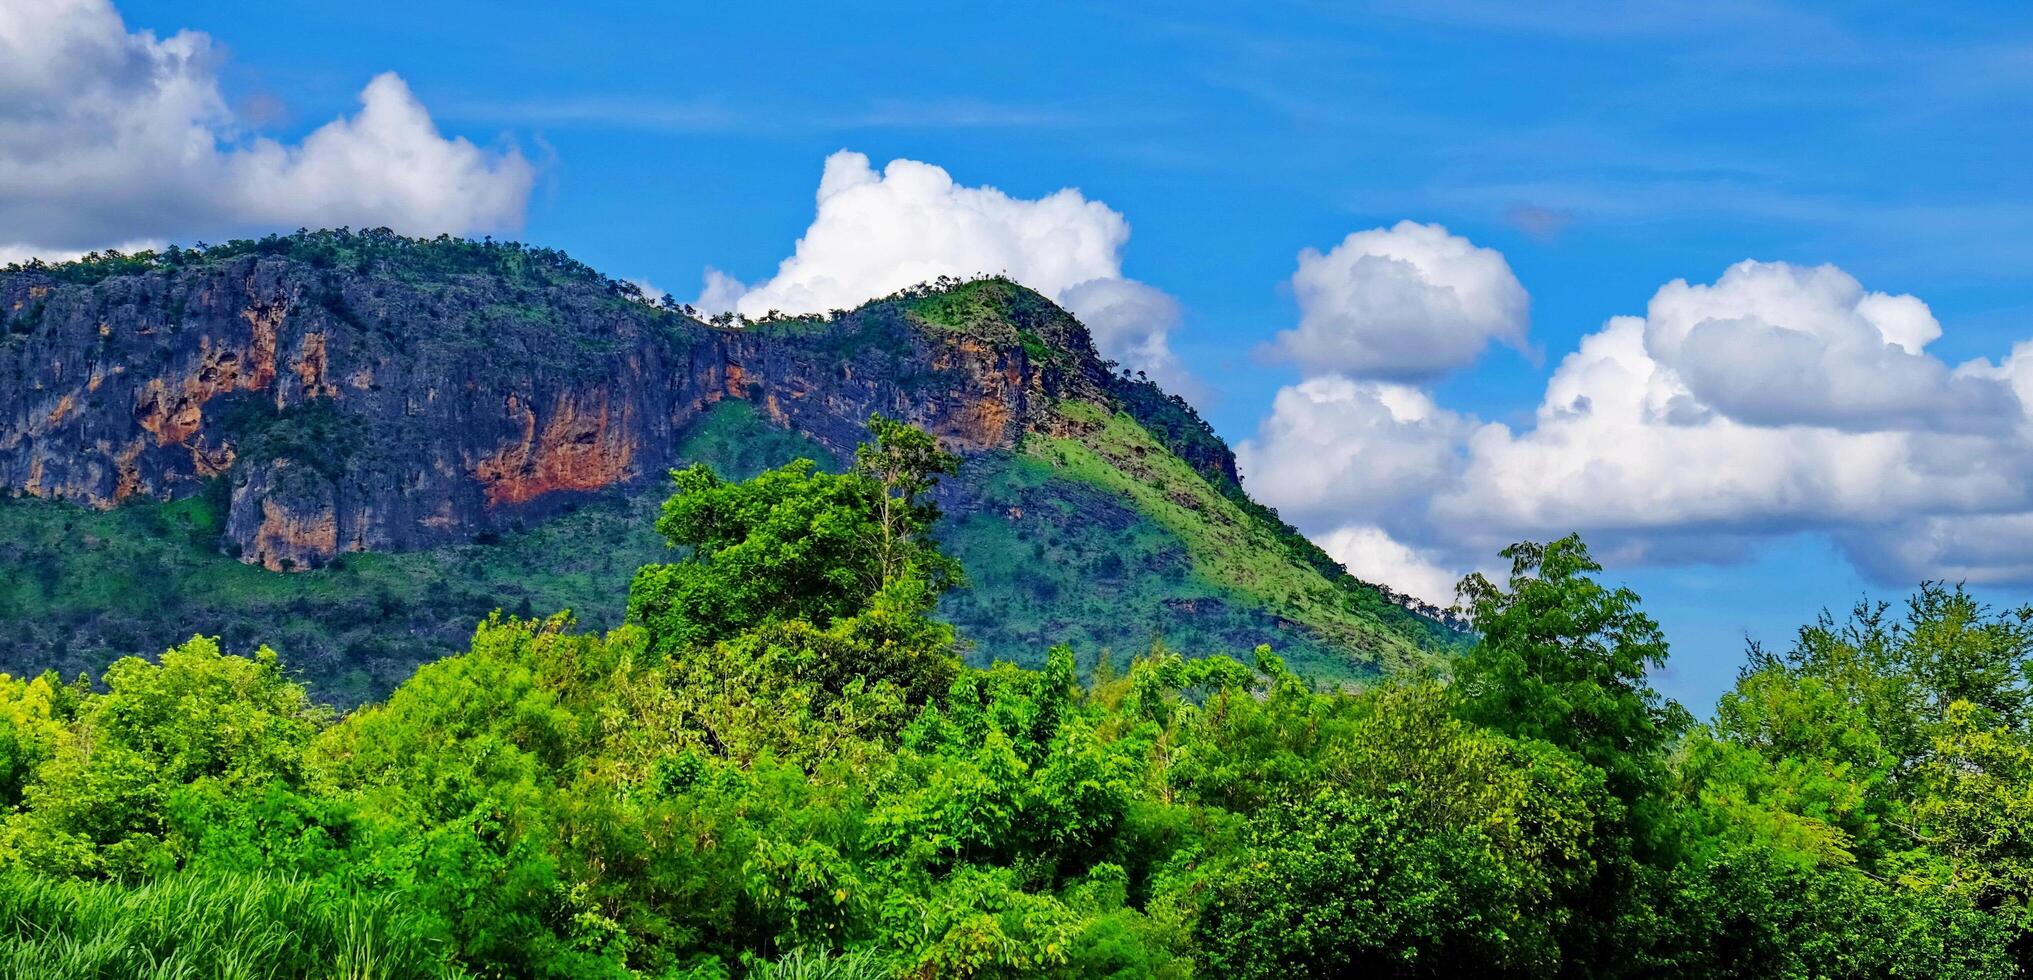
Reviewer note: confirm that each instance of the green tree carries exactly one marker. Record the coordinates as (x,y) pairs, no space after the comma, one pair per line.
(145,767)
(905,463)
(1346,886)
(1560,658)
(1881,766)
(798,544)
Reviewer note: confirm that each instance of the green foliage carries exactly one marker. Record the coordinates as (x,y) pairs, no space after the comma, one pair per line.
(993,309)
(83,587)
(1231,549)
(313,434)
(1888,755)
(139,770)
(1049,558)
(377,249)
(1562,659)
(1339,885)
(735,440)
(777,769)
(798,544)
(207,926)
(810,964)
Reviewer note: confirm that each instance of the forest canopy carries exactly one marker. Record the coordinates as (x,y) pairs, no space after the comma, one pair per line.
(779,767)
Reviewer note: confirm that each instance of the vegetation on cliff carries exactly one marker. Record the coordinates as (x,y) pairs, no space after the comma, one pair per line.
(328,446)
(778,767)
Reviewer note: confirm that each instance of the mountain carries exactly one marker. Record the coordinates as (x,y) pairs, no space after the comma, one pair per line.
(353,445)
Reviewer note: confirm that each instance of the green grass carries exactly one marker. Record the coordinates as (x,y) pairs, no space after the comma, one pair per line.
(1230,548)
(738,443)
(995,310)
(194,926)
(1051,559)
(808,964)
(975,307)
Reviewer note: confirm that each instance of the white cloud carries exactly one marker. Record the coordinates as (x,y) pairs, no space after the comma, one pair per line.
(1625,442)
(722,293)
(1132,323)
(12,254)
(650,293)
(1779,344)
(1980,548)
(112,136)
(1334,448)
(878,232)
(1370,554)
(1775,400)
(1405,303)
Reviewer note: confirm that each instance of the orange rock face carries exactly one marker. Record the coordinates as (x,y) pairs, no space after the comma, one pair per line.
(578,443)
(310,367)
(64,407)
(412,413)
(172,409)
(130,474)
(287,541)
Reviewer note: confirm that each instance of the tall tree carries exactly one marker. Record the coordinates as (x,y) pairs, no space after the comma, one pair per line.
(796,543)
(1561,658)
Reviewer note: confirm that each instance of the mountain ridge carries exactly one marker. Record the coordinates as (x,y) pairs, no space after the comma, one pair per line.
(341,392)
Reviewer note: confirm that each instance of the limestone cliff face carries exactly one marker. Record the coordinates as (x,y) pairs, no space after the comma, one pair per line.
(387,402)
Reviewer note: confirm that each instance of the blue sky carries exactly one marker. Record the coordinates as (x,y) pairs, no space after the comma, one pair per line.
(1603,151)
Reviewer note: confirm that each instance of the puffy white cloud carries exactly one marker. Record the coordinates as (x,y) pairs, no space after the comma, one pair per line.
(1405,303)
(387,165)
(1371,554)
(1333,448)
(1778,344)
(114,137)
(878,232)
(1629,438)
(1776,400)
(1132,322)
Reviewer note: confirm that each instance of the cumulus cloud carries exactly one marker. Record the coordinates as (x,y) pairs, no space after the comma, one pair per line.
(115,137)
(876,232)
(1371,554)
(1333,447)
(1777,344)
(1132,323)
(1981,548)
(1405,303)
(1341,458)
(1635,435)
(1775,400)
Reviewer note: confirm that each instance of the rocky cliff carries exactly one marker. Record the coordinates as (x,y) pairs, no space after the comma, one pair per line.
(355,402)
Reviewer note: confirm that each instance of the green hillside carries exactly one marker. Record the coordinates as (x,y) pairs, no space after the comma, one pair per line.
(1099,559)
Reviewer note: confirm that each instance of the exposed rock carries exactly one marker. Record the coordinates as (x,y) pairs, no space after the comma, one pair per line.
(585,444)
(374,407)
(286,524)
